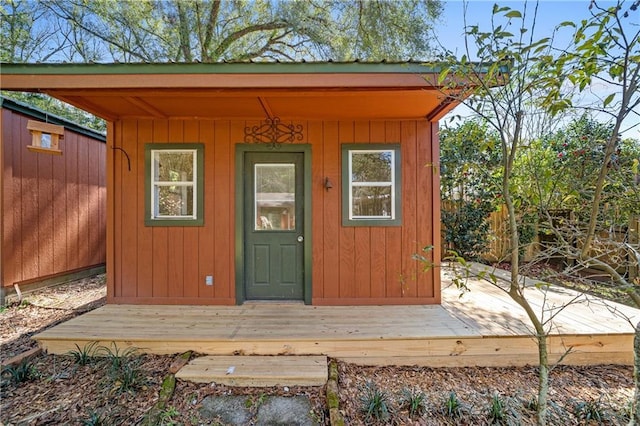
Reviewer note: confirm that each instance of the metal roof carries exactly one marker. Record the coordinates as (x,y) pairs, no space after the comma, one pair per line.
(42,115)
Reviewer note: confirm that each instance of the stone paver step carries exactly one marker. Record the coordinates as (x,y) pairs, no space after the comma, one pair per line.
(257,371)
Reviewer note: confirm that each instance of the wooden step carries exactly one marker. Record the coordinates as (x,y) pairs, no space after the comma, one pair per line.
(257,371)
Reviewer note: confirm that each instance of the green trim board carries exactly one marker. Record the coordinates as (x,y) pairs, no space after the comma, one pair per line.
(241,150)
(408,67)
(346,220)
(199,193)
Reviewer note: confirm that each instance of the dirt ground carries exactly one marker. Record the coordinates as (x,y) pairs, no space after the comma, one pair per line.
(58,390)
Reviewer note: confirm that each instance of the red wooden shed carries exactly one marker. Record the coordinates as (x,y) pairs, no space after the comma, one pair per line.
(231,182)
(53,201)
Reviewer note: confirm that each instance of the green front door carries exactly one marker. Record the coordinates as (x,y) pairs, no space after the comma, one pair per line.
(274,224)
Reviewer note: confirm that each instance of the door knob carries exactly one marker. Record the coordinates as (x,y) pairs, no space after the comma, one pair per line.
(300,238)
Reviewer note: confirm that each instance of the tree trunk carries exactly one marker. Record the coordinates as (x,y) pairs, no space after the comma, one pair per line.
(543,380)
(635,408)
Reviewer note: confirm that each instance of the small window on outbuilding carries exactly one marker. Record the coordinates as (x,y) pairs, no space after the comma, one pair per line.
(174,184)
(371,185)
(45,137)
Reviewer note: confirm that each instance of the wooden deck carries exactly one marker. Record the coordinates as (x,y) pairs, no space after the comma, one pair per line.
(483,327)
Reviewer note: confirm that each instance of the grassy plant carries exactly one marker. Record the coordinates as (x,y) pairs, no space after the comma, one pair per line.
(497,411)
(95,419)
(127,378)
(23,372)
(452,406)
(84,355)
(117,357)
(414,401)
(590,411)
(532,403)
(625,412)
(375,403)
(167,416)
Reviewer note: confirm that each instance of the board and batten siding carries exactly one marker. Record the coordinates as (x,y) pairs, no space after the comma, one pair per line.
(53,206)
(351,265)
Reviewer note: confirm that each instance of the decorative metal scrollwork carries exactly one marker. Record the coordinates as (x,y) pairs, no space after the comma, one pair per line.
(273,132)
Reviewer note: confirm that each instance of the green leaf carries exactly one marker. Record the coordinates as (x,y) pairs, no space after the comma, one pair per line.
(567,24)
(608,99)
(513,14)
(443,75)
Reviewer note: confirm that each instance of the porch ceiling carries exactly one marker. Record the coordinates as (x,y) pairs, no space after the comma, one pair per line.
(238,91)
(231,104)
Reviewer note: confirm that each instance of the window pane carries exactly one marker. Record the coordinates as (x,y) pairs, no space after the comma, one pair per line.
(371,201)
(371,166)
(175,200)
(275,194)
(45,140)
(174,166)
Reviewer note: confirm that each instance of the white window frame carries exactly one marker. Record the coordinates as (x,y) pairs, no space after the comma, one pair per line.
(157,184)
(349,150)
(391,184)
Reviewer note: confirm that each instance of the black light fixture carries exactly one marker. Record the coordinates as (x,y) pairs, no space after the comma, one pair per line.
(327,184)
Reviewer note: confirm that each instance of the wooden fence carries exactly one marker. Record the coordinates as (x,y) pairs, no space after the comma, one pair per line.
(499,245)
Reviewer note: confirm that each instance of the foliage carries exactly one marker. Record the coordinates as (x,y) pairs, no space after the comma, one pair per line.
(604,49)
(531,403)
(127,377)
(497,411)
(214,31)
(470,182)
(84,355)
(528,231)
(414,401)
(469,161)
(560,170)
(452,406)
(590,411)
(117,357)
(124,372)
(375,403)
(466,227)
(23,372)
(59,108)
(506,105)
(167,416)
(95,419)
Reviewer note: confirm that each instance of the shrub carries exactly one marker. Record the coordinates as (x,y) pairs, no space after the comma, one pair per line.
(84,355)
(590,411)
(452,406)
(167,416)
(116,356)
(413,401)
(497,411)
(128,377)
(95,419)
(466,228)
(375,403)
(23,372)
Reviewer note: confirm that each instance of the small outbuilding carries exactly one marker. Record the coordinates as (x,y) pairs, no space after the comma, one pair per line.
(235,182)
(52,198)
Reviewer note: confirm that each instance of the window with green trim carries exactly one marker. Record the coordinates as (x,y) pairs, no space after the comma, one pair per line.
(371,185)
(174,184)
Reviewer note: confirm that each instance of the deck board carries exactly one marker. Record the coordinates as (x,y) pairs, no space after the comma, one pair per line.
(481,327)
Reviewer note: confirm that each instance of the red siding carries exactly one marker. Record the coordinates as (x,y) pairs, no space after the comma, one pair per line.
(53,207)
(351,265)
